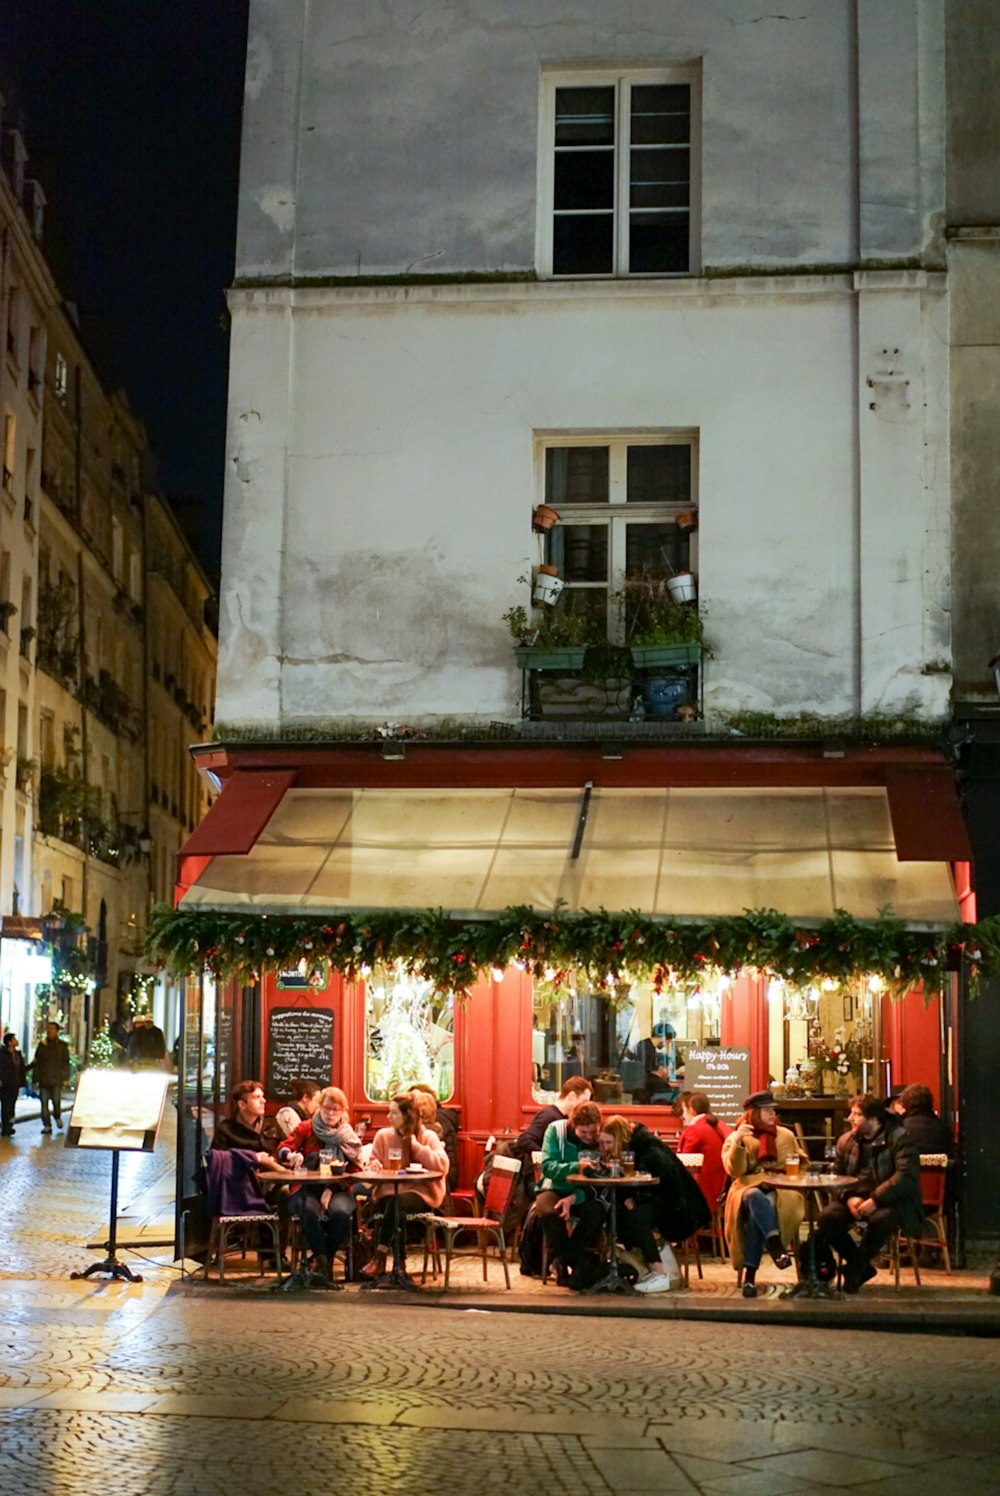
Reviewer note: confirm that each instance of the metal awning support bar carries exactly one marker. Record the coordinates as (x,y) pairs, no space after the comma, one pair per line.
(581,823)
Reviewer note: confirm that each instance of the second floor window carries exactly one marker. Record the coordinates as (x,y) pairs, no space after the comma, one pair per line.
(620,187)
(618,501)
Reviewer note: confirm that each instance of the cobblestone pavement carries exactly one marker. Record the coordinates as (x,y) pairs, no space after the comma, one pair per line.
(155,1388)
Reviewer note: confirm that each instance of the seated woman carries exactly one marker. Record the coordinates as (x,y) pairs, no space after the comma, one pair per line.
(674,1207)
(326,1216)
(702,1133)
(419,1146)
(756,1216)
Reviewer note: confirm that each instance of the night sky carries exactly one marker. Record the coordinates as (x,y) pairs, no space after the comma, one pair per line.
(131,113)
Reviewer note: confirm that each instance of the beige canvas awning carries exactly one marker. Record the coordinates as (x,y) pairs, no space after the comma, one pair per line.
(680,851)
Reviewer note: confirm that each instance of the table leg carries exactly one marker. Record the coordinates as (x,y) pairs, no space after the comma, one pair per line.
(811,1286)
(614,1280)
(397,1276)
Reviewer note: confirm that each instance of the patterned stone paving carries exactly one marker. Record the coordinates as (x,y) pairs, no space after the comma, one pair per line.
(162,1388)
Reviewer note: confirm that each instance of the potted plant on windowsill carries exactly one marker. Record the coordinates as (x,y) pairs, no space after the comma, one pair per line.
(548,639)
(659,631)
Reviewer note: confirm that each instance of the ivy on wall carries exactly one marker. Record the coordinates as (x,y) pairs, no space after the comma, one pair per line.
(600,949)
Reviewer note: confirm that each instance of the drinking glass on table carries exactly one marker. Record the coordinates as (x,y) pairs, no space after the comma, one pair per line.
(830,1157)
(326,1158)
(588,1158)
(395,1152)
(793,1165)
(628,1164)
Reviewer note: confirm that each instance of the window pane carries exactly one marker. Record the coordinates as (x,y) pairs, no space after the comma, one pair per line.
(409,1032)
(619,1048)
(658,242)
(583,246)
(656,550)
(660,179)
(584,552)
(576,475)
(585,116)
(661,114)
(585,179)
(659,475)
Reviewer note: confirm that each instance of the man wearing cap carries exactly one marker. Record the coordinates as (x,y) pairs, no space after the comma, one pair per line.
(882,1155)
(658,1055)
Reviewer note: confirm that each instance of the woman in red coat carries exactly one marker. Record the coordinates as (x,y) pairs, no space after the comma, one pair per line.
(702,1133)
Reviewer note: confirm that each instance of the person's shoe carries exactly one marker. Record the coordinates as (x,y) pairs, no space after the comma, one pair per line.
(46,1129)
(376,1267)
(654,1283)
(58,1124)
(858,1275)
(749,1290)
(779,1256)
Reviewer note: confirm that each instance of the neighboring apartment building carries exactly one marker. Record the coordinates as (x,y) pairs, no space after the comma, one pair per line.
(682,276)
(107,589)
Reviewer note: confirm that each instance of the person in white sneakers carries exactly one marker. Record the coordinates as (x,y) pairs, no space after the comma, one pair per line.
(674,1207)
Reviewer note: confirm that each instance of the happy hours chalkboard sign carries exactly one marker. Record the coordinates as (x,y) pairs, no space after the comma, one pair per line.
(299,1045)
(722,1074)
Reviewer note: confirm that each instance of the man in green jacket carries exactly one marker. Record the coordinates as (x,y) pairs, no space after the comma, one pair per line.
(560,1204)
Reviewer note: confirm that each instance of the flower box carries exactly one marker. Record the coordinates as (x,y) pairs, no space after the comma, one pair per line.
(656,656)
(544,657)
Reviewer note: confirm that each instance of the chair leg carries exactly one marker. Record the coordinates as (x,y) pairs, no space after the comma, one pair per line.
(942,1236)
(483,1246)
(449,1242)
(503,1255)
(428,1232)
(222,1245)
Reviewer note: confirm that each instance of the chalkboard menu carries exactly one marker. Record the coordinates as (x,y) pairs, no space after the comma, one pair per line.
(299,1044)
(722,1074)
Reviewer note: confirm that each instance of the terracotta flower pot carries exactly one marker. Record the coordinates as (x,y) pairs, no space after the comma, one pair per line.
(544,517)
(687,520)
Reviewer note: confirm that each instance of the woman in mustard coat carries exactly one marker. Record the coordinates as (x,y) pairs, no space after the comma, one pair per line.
(758,1217)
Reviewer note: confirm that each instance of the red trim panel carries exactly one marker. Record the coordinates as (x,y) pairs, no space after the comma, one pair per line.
(926,816)
(239,815)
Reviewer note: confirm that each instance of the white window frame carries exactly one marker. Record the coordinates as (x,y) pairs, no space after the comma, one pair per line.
(617,513)
(623,81)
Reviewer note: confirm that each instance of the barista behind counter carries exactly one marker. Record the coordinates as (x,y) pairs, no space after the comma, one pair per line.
(662,1070)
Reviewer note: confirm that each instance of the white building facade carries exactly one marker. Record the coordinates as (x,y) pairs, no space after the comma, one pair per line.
(477,238)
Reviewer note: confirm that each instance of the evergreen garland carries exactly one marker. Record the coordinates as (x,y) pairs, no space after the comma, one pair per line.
(600,949)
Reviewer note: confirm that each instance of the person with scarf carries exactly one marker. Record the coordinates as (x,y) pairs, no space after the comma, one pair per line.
(327,1215)
(758,1217)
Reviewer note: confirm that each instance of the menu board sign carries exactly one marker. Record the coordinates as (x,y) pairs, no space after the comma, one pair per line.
(299,1046)
(722,1074)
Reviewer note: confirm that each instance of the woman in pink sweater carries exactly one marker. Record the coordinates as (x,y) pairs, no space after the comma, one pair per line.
(418,1145)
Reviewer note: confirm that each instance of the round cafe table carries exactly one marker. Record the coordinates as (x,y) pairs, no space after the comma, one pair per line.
(810,1285)
(614,1280)
(397,1277)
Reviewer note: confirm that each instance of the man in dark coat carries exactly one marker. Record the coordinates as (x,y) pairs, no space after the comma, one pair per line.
(50,1069)
(12,1078)
(922,1122)
(147,1048)
(881,1154)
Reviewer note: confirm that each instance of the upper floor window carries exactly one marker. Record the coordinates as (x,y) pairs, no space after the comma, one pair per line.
(618,499)
(619,189)
(61,377)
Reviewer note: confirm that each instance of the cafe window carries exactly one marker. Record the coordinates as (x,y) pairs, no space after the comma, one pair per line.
(822,1039)
(631,1046)
(409,1034)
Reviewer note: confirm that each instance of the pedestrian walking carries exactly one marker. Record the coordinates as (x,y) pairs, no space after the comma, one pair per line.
(50,1069)
(13,1075)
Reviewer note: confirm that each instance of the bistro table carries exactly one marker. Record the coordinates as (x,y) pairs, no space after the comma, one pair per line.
(810,1286)
(315,1177)
(614,1280)
(397,1277)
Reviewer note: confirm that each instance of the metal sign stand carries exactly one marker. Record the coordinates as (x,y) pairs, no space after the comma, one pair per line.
(112,1264)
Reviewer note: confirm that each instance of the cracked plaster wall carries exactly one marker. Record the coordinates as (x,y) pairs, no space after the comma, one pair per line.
(403,136)
(365,576)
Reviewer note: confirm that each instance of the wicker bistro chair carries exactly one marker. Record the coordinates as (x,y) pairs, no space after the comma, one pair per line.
(490,1224)
(256,1215)
(933,1187)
